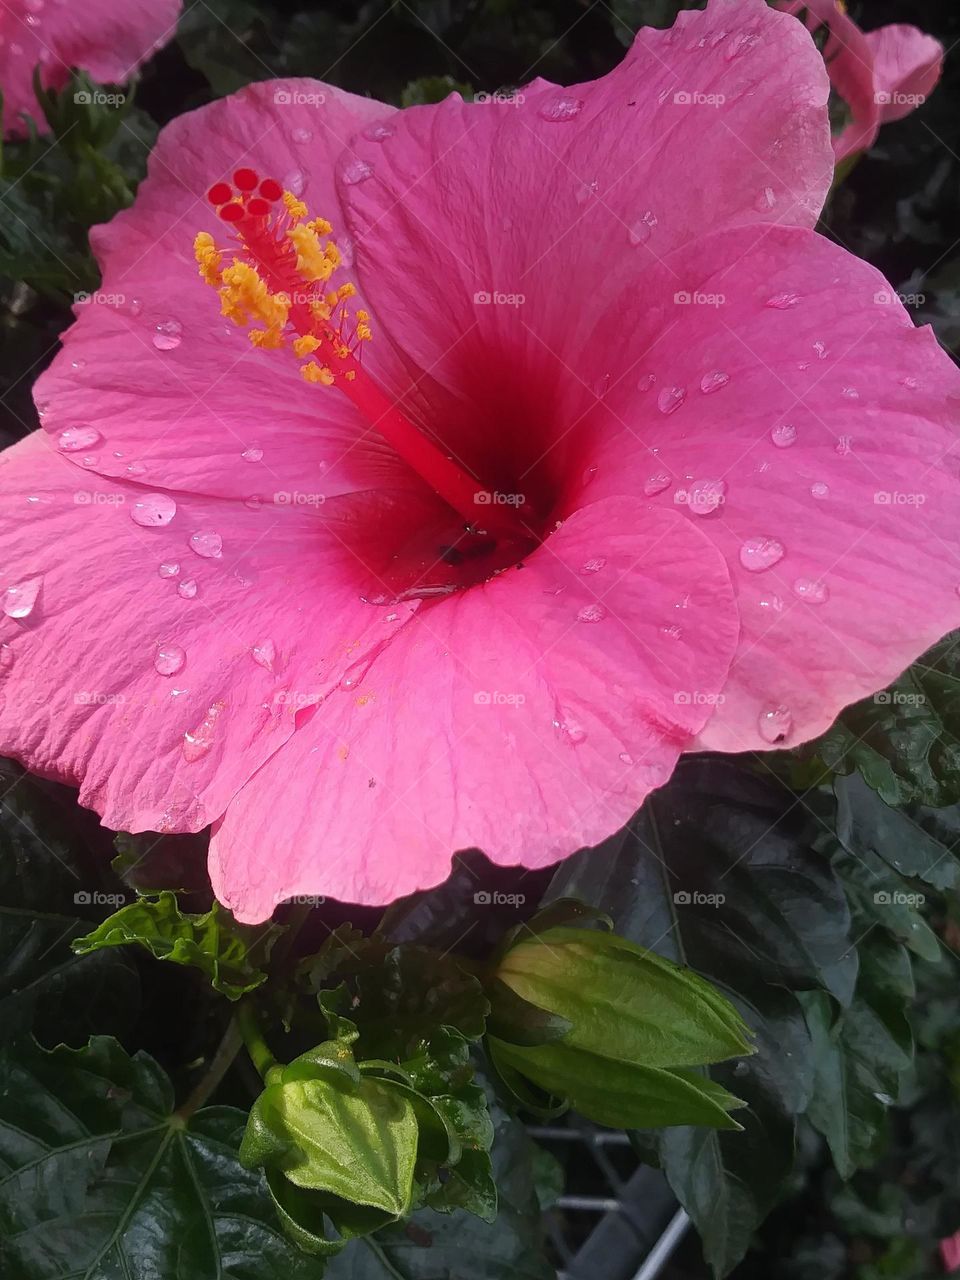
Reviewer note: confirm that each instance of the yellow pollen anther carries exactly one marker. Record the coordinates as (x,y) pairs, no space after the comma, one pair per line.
(208,257)
(342,351)
(350,375)
(314,372)
(306,345)
(244,297)
(346,291)
(296,208)
(363,316)
(314,260)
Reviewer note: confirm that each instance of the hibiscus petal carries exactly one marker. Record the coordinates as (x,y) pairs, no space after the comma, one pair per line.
(907,64)
(107,38)
(773,388)
(118,638)
(180,397)
(528,716)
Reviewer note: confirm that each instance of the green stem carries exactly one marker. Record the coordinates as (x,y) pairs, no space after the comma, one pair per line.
(253,1038)
(220,1064)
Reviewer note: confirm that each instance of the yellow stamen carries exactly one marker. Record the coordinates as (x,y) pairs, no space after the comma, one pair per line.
(314,372)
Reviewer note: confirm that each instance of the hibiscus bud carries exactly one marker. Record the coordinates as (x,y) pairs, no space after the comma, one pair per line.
(614,1029)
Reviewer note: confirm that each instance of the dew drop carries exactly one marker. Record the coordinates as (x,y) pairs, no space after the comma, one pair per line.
(782,301)
(253,501)
(197,742)
(711,382)
(671,398)
(356,171)
(812,590)
(153,510)
(168,335)
(208,545)
(264,654)
(294,182)
(170,659)
(73,439)
(844,446)
(169,569)
(560,109)
(136,306)
(783,435)
(641,230)
(6,657)
(766,199)
(646,382)
(136,469)
(19,600)
(593,565)
(821,350)
(252,455)
(346,246)
(589,473)
(774,724)
(571,730)
(187,589)
(591,613)
(820,490)
(601,386)
(850,393)
(757,554)
(673,631)
(772,602)
(706,496)
(378,132)
(910,383)
(625,758)
(656,484)
(78,364)
(302,135)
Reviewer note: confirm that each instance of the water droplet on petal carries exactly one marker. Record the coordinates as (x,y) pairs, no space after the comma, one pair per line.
(197,742)
(757,554)
(153,510)
(850,393)
(602,386)
(302,135)
(378,132)
(591,613)
(6,657)
(844,446)
(783,435)
(252,455)
(673,631)
(136,469)
(774,724)
(821,350)
(910,383)
(589,473)
(73,439)
(594,565)
(570,730)
(168,335)
(820,490)
(656,484)
(169,569)
(765,200)
(706,496)
(671,398)
(187,589)
(265,654)
(711,382)
(641,230)
(356,171)
(208,545)
(812,590)
(772,602)
(19,599)
(782,301)
(560,109)
(646,382)
(294,182)
(170,659)
(136,306)
(346,246)
(625,758)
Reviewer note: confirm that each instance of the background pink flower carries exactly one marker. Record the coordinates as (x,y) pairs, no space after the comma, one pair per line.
(739,448)
(107,38)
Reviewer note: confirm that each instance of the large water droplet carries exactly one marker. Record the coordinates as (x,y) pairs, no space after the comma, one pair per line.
(711,382)
(706,496)
(169,569)
(625,758)
(153,510)
(591,613)
(559,109)
(783,435)
(187,589)
(252,455)
(170,659)
(782,301)
(197,742)
(265,654)
(19,599)
(774,724)
(812,590)
(820,490)
(168,335)
(671,398)
(356,171)
(641,230)
(757,554)
(73,439)
(594,565)
(656,484)
(208,545)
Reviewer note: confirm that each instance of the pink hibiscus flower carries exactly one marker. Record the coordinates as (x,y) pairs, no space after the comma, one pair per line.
(698,487)
(881,75)
(107,38)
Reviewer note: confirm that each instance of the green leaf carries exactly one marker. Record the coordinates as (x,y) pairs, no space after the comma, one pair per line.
(718,872)
(618,1093)
(917,842)
(227,953)
(100,1179)
(904,741)
(623,1001)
